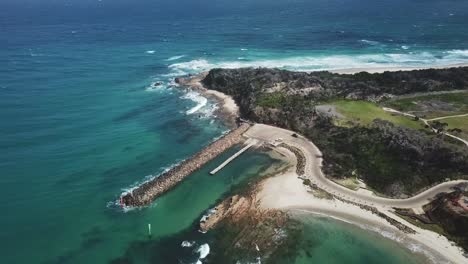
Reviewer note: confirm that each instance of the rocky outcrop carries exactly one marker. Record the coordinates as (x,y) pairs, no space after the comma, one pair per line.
(234,207)
(448,212)
(245,231)
(148,191)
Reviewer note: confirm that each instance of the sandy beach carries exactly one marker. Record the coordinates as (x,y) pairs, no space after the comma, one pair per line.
(228,107)
(287,192)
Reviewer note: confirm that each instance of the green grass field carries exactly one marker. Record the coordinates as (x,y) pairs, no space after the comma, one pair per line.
(457,122)
(429,105)
(364,113)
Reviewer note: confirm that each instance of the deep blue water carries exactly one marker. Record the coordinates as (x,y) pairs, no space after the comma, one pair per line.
(81,121)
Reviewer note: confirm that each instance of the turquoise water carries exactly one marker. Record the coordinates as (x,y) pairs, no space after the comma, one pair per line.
(331,241)
(82,121)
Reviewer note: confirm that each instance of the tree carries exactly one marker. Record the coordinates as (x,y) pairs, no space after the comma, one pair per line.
(439,126)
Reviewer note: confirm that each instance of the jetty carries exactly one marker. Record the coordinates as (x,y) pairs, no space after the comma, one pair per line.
(150,190)
(249,142)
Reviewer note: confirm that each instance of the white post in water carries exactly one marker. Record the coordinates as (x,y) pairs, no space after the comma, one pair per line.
(149,229)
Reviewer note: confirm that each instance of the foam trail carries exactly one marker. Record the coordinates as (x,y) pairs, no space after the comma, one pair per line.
(332,62)
(203,250)
(156,86)
(187,243)
(370,42)
(173,58)
(196,97)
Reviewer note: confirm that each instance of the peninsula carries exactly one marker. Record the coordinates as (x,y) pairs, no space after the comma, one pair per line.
(384,149)
(376,166)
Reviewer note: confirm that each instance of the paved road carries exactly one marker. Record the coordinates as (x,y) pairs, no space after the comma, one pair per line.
(314,173)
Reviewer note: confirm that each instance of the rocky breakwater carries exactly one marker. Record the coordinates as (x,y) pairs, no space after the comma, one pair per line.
(301,160)
(150,190)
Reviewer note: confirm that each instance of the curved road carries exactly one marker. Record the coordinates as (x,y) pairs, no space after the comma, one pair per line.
(313,172)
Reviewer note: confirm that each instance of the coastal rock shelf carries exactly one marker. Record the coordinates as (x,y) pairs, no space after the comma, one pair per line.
(148,191)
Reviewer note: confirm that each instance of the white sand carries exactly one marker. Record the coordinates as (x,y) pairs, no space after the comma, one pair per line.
(287,192)
(228,105)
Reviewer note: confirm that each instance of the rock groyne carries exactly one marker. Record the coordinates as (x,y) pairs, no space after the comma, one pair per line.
(301,160)
(150,190)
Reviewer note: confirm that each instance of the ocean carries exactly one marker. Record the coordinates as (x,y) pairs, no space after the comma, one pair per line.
(89,109)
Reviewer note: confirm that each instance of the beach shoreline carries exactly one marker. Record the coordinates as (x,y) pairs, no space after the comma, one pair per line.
(228,110)
(286,191)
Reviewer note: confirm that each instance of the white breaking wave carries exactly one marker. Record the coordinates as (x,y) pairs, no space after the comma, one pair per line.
(175,57)
(203,250)
(197,98)
(405,47)
(150,51)
(156,86)
(332,62)
(207,214)
(463,53)
(187,243)
(370,42)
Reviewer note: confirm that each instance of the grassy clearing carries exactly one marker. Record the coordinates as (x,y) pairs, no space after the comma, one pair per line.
(364,113)
(429,105)
(457,122)
(350,183)
(317,192)
(272,100)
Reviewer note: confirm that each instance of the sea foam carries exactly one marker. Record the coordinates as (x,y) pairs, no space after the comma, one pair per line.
(203,250)
(173,58)
(187,243)
(197,98)
(370,42)
(331,62)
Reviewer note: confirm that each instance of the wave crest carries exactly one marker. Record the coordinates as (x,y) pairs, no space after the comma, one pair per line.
(173,58)
(332,62)
(203,250)
(197,98)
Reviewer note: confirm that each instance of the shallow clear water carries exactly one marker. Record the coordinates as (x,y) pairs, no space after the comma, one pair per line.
(327,240)
(81,120)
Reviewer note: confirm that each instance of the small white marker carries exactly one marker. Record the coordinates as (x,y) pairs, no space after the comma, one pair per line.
(149,229)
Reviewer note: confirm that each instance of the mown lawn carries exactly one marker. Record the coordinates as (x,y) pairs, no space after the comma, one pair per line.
(364,113)
(424,105)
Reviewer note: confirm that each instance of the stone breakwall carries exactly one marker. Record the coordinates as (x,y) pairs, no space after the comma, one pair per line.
(371,209)
(148,191)
(301,161)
